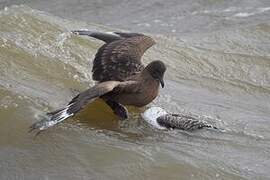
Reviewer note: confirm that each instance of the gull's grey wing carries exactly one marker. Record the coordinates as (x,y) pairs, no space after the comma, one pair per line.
(183,122)
(120,57)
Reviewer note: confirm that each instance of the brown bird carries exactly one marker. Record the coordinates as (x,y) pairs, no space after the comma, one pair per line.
(123,79)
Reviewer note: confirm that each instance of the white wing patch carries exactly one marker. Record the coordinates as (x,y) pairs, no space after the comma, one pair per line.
(52,120)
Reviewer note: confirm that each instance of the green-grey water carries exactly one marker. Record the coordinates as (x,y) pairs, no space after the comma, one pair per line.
(218,67)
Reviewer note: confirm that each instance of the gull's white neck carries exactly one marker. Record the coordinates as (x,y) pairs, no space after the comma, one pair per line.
(151,115)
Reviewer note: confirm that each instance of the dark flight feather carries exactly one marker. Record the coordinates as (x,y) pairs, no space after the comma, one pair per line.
(75,105)
(82,100)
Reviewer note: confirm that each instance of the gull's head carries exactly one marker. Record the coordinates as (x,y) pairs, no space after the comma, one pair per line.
(151,115)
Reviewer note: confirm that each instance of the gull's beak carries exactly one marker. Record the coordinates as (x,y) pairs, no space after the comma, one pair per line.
(161,82)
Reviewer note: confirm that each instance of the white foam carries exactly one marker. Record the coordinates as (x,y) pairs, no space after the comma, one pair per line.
(257,11)
(264,9)
(151,115)
(243,14)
